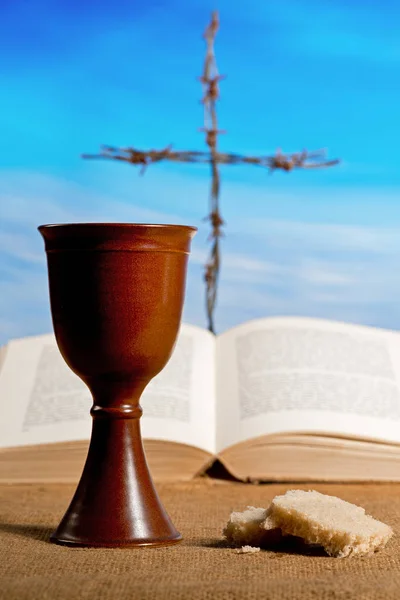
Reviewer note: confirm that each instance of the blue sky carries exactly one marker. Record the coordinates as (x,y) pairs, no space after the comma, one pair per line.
(300,73)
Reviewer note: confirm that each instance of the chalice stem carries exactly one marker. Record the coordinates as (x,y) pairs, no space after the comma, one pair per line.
(116,486)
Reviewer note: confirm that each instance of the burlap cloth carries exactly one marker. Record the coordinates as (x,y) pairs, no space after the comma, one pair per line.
(201,567)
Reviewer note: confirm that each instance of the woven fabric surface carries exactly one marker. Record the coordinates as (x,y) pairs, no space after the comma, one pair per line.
(202,567)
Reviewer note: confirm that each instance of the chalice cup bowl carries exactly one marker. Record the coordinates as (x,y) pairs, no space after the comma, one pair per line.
(116,295)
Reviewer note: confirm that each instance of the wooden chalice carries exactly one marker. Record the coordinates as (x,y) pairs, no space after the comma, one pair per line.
(116,294)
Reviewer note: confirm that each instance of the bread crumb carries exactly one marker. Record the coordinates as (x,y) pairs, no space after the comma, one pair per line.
(248,550)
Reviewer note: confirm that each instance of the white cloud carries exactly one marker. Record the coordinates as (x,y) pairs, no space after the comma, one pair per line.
(19,246)
(322,273)
(323,236)
(246,263)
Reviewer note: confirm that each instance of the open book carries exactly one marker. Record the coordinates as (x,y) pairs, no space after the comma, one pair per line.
(288,399)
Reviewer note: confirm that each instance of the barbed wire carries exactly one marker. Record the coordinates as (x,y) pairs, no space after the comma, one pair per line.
(286,162)
(210,79)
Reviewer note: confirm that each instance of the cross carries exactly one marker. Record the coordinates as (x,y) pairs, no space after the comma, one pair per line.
(287,162)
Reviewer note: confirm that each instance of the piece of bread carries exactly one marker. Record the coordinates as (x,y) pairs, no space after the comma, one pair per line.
(250,528)
(339,527)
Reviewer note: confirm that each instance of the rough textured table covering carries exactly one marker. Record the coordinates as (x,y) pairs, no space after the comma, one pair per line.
(201,567)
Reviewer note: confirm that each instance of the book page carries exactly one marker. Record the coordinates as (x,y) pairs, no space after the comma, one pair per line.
(43,401)
(179,404)
(297,374)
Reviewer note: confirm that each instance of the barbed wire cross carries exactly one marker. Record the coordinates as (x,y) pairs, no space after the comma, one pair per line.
(287,162)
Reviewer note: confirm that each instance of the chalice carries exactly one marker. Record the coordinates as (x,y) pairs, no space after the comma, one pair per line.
(116,296)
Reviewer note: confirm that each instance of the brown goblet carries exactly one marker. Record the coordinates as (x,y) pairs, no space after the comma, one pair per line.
(116,294)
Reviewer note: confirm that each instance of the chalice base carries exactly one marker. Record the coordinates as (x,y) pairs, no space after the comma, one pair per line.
(115,503)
